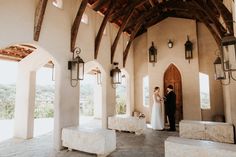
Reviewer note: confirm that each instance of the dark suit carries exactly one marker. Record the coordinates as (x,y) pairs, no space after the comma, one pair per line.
(170,107)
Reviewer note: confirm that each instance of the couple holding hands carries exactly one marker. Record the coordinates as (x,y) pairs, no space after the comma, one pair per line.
(157,121)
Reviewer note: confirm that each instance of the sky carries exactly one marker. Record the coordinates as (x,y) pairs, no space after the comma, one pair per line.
(8,71)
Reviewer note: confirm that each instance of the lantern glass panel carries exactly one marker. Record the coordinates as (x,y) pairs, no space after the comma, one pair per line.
(116,76)
(219,73)
(80,71)
(188,54)
(152,58)
(74,70)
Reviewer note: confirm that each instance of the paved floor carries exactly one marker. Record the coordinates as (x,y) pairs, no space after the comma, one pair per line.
(151,144)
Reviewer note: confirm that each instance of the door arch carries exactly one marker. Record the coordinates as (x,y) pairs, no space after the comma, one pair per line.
(172,77)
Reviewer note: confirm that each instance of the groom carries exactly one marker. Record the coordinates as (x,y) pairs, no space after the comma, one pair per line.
(170,106)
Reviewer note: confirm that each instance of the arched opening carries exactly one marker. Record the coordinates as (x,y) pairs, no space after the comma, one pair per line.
(92,96)
(7,98)
(123,95)
(22,90)
(44,100)
(172,77)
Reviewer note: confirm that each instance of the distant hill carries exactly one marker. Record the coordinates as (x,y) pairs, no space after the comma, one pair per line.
(43,101)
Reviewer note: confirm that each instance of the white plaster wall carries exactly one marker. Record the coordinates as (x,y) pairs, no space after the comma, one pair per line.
(177,30)
(140,71)
(208,51)
(17,23)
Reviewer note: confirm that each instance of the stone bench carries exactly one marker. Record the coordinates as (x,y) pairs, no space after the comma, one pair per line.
(127,123)
(181,147)
(203,130)
(97,141)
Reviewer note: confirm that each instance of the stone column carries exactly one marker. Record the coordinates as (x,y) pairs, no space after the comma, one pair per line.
(25,101)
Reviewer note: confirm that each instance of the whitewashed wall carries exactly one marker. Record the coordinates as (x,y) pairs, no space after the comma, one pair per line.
(17,23)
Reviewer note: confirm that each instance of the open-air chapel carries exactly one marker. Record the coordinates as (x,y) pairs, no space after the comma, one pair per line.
(117,78)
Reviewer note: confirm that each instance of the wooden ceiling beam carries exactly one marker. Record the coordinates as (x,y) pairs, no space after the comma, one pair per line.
(225,14)
(152,3)
(38,18)
(97,5)
(76,23)
(206,10)
(132,37)
(102,28)
(122,11)
(121,29)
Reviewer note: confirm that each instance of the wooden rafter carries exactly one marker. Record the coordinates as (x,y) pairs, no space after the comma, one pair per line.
(122,27)
(226,15)
(76,24)
(101,30)
(124,10)
(98,4)
(132,37)
(204,8)
(38,18)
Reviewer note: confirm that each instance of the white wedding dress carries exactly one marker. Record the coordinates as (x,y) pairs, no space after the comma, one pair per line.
(156,119)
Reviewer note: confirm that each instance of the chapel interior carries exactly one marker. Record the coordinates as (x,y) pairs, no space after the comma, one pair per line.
(112,54)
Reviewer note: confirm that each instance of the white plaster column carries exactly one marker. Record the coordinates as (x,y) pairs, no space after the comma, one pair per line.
(25,101)
(66,105)
(110,100)
(98,101)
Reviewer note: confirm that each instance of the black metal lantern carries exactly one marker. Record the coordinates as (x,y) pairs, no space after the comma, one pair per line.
(188,50)
(152,54)
(228,45)
(98,74)
(219,72)
(116,74)
(76,66)
(170,44)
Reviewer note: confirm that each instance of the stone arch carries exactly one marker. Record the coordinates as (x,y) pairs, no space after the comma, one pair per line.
(25,92)
(127,82)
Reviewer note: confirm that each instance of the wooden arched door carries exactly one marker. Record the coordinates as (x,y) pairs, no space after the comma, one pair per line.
(172,77)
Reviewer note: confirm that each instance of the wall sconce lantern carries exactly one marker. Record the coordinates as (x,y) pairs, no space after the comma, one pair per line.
(152,54)
(228,44)
(188,50)
(76,67)
(170,44)
(115,73)
(219,72)
(98,74)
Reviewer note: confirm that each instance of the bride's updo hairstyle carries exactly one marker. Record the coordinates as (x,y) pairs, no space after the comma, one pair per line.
(156,88)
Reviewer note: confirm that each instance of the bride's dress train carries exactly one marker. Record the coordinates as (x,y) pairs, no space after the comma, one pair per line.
(156,118)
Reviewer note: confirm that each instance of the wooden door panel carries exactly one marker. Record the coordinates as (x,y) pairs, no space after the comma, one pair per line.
(172,77)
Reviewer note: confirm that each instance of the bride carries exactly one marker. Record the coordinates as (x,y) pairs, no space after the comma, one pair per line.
(156,119)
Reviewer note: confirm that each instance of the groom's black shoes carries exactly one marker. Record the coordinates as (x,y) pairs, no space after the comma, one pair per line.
(171,130)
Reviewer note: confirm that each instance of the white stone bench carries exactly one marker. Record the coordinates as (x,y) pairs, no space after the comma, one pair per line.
(127,123)
(203,130)
(181,147)
(97,141)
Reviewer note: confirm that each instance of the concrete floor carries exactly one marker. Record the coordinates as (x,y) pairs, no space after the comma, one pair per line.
(151,144)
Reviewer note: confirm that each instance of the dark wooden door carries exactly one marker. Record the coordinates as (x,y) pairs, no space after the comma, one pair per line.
(172,77)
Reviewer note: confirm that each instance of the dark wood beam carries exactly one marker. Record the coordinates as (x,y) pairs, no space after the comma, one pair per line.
(98,4)
(226,15)
(76,23)
(152,3)
(207,11)
(122,11)
(38,18)
(102,28)
(132,37)
(122,27)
